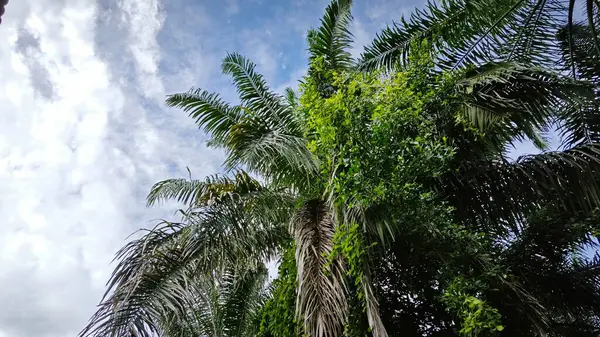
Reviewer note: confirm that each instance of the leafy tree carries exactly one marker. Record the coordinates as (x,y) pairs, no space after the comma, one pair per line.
(232,225)
(423,153)
(579,59)
(226,303)
(405,215)
(466,32)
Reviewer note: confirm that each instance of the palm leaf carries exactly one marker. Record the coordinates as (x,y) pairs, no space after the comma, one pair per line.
(545,257)
(511,102)
(200,193)
(153,277)
(333,38)
(132,308)
(255,96)
(374,223)
(581,123)
(477,31)
(447,26)
(225,303)
(321,303)
(209,111)
(292,98)
(494,193)
(269,139)
(242,301)
(262,134)
(577,46)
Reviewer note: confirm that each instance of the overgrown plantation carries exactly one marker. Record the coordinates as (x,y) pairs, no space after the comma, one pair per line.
(384,189)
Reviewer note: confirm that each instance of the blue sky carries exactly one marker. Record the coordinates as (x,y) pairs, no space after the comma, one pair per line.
(84,132)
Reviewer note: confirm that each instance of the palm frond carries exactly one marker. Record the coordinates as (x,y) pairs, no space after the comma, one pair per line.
(292,98)
(242,301)
(477,31)
(209,111)
(262,134)
(269,139)
(580,124)
(321,303)
(543,258)
(374,223)
(200,193)
(256,98)
(274,154)
(447,26)
(495,193)
(136,303)
(154,274)
(333,38)
(371,304)
(225,304)
(577,46)
(511,102)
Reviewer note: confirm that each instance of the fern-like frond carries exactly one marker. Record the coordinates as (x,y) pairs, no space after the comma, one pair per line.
(292,98)
(257,101)
(201,193)
(136,296)
(580,124)
(225,303)
(498,193)
(477,31)
(333,38)
(155,272)
(209,111)
(242,301)
(447,26)
(269,138)
(511,102)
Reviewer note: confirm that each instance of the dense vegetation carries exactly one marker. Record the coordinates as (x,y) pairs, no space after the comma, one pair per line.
(384,189)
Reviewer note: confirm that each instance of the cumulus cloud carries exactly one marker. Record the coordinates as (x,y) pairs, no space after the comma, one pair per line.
(84,132)
(82,138)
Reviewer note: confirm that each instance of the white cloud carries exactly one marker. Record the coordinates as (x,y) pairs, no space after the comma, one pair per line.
(145,20)
(362,38)
(84,132)
(79,148)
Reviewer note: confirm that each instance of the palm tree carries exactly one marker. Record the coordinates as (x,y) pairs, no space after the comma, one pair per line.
(578,57)
(226,303)
(477,31)
(237,223)
(232,225)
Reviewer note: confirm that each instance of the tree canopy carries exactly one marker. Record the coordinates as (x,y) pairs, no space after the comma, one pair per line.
(385,189)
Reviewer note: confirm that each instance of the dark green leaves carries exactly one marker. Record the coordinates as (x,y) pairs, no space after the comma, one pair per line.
(209,111)
(581,124)
(495,194)
(509,102)
(201,193)
(229,223)
(332,39)
(448,27)
(464,32)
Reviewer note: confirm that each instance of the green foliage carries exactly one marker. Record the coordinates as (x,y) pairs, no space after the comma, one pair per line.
(349,243)
(407,217)
(374,124)
(279,312)
(478,317)
(464,32)
(331,41)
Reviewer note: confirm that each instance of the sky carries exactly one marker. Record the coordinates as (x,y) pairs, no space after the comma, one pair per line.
(84,131)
